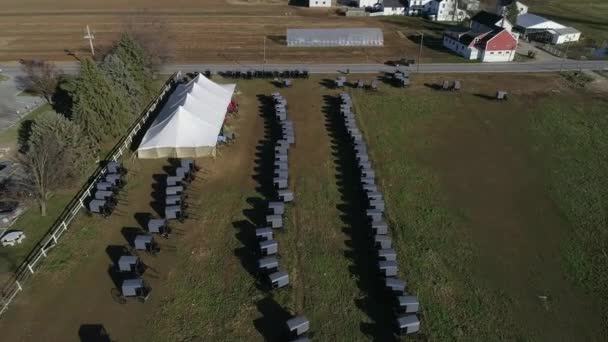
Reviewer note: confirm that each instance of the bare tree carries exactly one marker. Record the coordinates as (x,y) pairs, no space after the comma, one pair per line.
(46,167)
(41,78)
(154,36)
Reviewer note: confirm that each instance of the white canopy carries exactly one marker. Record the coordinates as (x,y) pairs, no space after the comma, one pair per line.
(190,122)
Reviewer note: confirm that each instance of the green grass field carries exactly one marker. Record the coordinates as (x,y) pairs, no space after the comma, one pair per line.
(496,211)
(437,239)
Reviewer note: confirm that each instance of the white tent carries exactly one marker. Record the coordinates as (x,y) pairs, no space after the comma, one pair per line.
(190,122)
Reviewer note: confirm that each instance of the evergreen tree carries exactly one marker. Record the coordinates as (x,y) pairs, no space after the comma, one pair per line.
(118,72)
(136,61)
(512,12)
(99,107)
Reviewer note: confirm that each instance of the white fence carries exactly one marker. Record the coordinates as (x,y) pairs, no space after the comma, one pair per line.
(61,225)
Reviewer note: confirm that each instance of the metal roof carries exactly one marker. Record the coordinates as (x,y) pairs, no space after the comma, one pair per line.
(529,20)
(143,238)
(133,283)
(296,322)
(566,30)
(335,37)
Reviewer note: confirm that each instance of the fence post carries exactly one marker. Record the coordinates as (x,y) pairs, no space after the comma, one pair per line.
(30,267)
(43,252)
(18,285)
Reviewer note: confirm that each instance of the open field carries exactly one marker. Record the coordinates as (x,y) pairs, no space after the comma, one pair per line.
(223,31)
(491,231)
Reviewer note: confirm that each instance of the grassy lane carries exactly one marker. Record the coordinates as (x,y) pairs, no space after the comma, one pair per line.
(325,273)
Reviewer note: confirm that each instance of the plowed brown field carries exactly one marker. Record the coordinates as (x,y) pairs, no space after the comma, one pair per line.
(199,31)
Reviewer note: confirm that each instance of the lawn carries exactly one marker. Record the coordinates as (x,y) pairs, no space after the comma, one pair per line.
(468,182)
(10,137)
(481,198)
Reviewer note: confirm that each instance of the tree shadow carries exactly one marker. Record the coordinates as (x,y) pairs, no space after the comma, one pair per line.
(93,333)
(282,40)
(431,42)
(23,135)
(272,323)
(62,101)
(359,248)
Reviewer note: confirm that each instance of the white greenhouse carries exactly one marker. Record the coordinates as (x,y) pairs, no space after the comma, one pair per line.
(335,37)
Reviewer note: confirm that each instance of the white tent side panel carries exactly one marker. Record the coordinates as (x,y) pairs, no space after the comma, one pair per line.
(176,152)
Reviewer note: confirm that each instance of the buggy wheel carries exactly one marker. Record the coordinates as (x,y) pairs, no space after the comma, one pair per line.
(117,296)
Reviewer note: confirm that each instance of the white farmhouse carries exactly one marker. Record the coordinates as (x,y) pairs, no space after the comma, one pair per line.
(418,7)
(319,3)
(368,3)
(446,10)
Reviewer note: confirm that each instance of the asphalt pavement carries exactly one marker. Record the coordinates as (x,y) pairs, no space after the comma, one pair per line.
(513,67)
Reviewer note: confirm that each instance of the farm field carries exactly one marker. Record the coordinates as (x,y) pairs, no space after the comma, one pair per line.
(220,31)
(482,200)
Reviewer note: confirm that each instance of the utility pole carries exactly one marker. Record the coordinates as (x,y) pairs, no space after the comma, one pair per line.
(90,37)
(264,49)
(420,50)
(561,66)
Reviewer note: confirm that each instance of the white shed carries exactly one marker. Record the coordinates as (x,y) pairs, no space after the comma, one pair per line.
(565,35)
(532,24)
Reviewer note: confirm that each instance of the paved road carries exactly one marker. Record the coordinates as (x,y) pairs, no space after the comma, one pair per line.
(515,67)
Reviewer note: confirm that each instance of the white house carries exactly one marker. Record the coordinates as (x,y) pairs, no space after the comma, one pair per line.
(319,3)
(368,3)
(446,10)
(418,7)
(535,27)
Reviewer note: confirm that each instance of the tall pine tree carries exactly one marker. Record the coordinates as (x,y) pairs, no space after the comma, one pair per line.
(136,60)
(118,72)
(99,107)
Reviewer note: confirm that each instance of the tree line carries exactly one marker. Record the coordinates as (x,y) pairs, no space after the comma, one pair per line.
(91,110)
